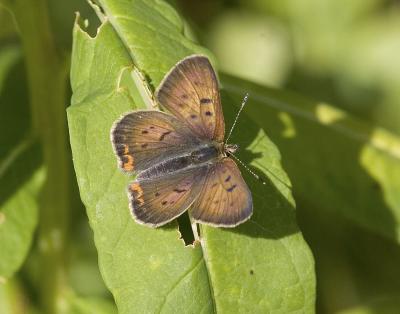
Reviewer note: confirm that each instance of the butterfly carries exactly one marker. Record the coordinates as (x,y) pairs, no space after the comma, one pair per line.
(180,158)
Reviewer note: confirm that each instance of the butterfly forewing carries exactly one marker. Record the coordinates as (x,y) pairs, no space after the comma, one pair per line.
(156,201)
(190,92)
(144,138)
(225,200)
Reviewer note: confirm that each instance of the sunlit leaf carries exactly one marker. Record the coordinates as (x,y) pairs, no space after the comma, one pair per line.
(263,265)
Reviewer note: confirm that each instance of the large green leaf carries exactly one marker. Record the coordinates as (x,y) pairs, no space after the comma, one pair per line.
(262,266)
(133,260)
(20,159)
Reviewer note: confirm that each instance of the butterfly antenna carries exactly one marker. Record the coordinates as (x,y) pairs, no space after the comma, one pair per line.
(257,176)
(248,169)
(237,116)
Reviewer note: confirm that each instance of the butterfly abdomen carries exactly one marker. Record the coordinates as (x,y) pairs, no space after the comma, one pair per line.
(202,155)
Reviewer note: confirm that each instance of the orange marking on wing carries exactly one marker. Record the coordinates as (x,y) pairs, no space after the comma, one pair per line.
(127,163)
(126,149)
(135,187)
(137,192)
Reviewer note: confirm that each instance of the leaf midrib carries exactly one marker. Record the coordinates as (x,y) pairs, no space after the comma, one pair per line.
(204,254)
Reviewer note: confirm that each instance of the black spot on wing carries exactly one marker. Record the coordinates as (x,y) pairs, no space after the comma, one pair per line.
(193,116)
(205,101)
(145,132)
(164,135)
(208,113)
(232,188)
(164,202)
(179,190)
(227,178)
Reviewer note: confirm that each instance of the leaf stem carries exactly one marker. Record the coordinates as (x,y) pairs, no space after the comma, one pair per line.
(47,73)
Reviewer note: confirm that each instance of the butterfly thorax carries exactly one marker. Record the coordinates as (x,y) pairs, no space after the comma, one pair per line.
(204,154)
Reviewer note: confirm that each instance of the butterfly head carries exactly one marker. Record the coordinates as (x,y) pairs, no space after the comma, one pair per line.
(231,148)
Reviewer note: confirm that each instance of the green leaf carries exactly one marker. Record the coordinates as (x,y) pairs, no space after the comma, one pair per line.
(129,268)
(20,175)
(337,162)
(262,266)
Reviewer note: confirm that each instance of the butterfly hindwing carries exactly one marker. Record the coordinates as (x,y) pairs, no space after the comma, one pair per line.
(156,201)
(225,200)
(144,138)
(190,92)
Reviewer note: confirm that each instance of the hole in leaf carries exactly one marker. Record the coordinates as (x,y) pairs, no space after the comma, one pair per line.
(185,229)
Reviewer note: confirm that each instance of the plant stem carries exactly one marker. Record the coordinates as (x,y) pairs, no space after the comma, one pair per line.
(47,73)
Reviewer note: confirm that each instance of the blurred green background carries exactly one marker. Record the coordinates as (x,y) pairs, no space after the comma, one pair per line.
(343,52)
